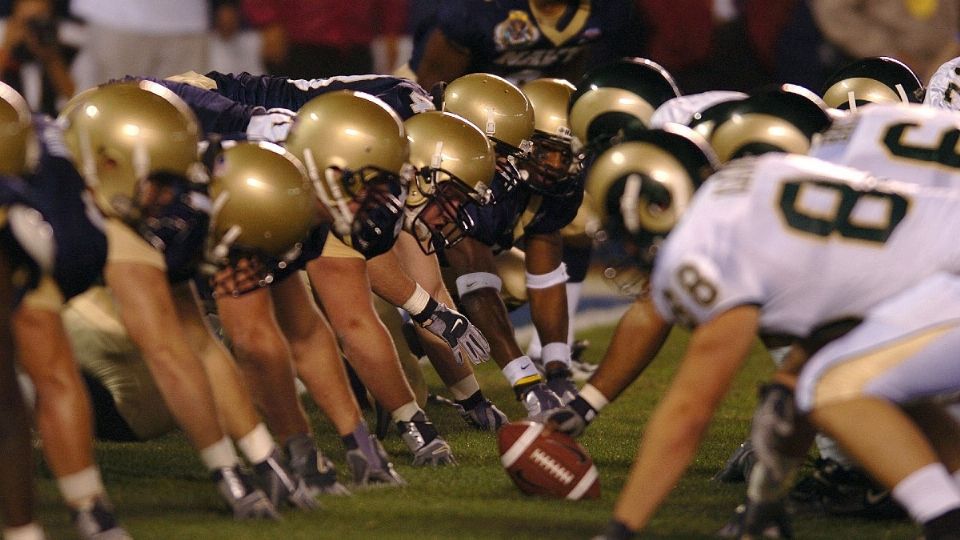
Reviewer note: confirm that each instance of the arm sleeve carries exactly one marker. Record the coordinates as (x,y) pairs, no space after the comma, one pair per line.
(216,113)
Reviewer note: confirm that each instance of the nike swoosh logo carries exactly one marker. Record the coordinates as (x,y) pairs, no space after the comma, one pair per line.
(456,324)
(525,366)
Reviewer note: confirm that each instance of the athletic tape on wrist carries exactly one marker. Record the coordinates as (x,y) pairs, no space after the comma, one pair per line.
(593,396)
(417,301)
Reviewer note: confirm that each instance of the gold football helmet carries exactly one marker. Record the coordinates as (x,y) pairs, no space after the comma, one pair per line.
(20,150)
(263,202)
(454,165)
(355,150)
(493,104)
(642,186)
(122,134)
(553,168)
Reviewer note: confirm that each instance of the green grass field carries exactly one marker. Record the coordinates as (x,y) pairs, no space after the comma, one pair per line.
(162,492)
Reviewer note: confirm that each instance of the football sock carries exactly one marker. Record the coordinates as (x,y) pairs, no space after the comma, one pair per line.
(81,489)
(219,455)
(928,493)
(465,388)
(257,445)
(405,413)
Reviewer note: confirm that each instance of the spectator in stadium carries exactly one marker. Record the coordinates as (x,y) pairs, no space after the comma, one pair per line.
(234,47)
(922,35)
(522,41)
(32,59)
(715,44)
(140,37)
(306,39)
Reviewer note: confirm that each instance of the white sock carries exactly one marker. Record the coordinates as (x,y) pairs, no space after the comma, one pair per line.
(521,371)
(465,387)
(81,488)
(257,445)
(556,352)
(928,493)
(219,455)
(405,412)
(30,531)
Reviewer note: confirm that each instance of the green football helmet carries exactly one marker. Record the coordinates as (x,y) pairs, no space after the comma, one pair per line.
(617,98)
(641,187)
(879,79)
(783,119)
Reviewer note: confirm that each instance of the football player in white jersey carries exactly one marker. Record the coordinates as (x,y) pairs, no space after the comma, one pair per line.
(723,271)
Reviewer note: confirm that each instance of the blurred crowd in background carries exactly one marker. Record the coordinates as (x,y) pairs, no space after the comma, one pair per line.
(52,48)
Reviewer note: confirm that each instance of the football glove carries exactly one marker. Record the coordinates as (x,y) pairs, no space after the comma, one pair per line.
(774,422)
(459,333)
(573,418)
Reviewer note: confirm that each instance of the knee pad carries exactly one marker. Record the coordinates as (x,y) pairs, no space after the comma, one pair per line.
(473,281)
(557,276)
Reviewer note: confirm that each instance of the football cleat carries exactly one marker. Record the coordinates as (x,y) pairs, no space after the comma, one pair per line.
(426,444)
(98,522)
(316,470)
(561,382)
(246,501)
(844,491)
(538,399)
(281,485)
(758,520)
(738,465)
(484,416)
(373,470)
(581,370)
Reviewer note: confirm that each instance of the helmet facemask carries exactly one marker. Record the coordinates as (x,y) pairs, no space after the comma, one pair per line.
(378,217)
(443,220)
(551,167)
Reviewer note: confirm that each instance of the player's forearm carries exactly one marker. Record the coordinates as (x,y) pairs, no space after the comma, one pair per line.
(669,444)
(635,343)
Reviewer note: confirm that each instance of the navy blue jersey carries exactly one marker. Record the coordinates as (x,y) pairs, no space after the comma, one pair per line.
(215,112)
(506,38)
(402,95)
(58,191)
(518,212)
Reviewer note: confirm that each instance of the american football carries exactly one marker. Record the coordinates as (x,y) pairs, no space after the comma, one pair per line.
(547,463)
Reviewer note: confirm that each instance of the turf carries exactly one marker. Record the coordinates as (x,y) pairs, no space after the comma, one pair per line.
(162,492)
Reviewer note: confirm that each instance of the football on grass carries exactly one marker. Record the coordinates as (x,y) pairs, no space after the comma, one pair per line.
(545,462)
